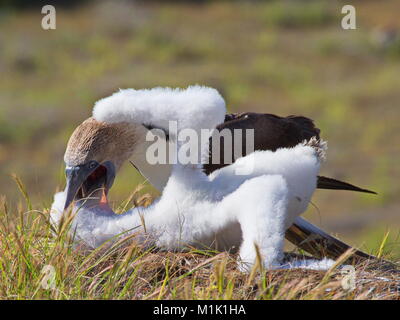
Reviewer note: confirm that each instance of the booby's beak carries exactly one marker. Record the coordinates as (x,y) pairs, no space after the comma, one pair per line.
(84,180)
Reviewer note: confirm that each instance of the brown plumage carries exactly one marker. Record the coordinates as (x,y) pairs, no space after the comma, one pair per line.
(272,132)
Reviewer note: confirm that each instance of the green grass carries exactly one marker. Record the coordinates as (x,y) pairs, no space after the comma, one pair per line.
(295,14)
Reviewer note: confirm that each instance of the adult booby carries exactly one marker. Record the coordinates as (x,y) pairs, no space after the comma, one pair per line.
(148,109)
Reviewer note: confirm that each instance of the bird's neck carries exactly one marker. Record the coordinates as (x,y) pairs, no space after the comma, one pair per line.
(156,173)
(158,170)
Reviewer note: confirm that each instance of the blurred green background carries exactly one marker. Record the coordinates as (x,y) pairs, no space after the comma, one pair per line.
(282,57)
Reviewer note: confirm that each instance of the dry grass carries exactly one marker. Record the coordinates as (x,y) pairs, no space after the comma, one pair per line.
(125,271)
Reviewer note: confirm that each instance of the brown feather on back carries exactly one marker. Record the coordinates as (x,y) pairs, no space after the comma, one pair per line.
(271,132)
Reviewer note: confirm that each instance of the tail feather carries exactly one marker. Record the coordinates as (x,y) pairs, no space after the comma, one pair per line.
(333,184)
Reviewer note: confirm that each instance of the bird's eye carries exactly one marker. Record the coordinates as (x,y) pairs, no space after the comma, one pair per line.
(92,164)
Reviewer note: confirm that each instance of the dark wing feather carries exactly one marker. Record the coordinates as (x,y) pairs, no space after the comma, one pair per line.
(333,184)
(272,132)
(320,244)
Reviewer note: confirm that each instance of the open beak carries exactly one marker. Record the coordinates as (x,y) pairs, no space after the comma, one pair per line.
(76,176)
(87,179)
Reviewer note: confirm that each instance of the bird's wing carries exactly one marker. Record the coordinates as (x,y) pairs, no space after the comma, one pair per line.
(333,184)
(272,132)
(317,242)
(313,240)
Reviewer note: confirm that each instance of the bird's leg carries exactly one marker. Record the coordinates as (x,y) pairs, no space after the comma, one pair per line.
(262,219)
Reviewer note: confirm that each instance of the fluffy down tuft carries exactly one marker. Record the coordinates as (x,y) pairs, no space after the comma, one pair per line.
(320,146)
(196,107)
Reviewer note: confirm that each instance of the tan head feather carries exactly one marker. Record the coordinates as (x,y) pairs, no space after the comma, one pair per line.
(101,141)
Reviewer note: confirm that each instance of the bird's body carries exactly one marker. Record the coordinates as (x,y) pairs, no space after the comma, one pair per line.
(222,211)
(219,208)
